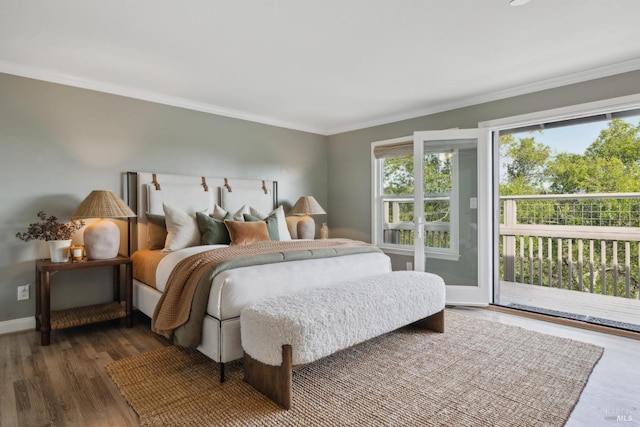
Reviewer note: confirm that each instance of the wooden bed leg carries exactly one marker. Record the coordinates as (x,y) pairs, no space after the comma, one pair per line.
(221,372)
(435,322)
(272,381)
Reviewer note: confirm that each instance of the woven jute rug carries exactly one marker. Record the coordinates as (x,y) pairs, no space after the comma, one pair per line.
(478,373)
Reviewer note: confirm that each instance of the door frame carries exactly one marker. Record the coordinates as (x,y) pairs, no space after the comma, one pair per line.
(494,126)
(480,295)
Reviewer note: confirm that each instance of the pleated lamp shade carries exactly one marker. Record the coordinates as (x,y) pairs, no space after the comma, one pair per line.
(306,205)
(102,238)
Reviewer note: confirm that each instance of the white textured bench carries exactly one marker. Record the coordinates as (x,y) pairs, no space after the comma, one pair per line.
(300,328)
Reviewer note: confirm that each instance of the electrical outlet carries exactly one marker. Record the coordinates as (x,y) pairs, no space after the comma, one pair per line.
(409,266)
(23,292)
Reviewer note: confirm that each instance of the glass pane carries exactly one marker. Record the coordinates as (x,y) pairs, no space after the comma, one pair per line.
(438,185)
(397,214)
(450,210)
(397,200)
(437,222)
(397,175)
(437,172)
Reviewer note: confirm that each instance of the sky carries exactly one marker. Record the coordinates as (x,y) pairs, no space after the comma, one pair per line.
(572,139)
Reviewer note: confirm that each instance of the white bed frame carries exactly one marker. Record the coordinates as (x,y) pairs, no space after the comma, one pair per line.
(147,191)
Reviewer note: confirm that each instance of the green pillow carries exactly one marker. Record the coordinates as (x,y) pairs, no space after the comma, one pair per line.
(272,224)
(157,231)
(213,231)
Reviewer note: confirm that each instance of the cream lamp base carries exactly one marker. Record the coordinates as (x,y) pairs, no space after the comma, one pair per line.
(102,240)
(306,228)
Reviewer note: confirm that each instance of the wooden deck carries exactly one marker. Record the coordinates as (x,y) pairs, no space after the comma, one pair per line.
(579,305)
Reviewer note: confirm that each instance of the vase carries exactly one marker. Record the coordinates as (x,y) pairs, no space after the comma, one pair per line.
(59,250)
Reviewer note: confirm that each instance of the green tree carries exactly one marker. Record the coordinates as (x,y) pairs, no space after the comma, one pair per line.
(523,164)
(398,180)
(527,160)
(621,140)
(610,164)
(398,175)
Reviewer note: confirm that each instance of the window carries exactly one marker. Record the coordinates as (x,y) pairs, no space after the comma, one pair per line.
(394,207)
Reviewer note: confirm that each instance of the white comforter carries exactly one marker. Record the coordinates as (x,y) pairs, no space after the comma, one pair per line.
(233,289)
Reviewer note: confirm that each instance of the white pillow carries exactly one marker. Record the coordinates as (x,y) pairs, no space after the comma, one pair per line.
(239,215)
(283,230)
(219,213)
(182,229)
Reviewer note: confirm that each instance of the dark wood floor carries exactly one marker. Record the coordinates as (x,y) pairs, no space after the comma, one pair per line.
(66,383)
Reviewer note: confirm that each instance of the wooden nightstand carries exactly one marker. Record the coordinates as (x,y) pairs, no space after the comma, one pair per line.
(46,320)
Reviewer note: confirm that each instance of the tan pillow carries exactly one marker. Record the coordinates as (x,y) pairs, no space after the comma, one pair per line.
(157,231)
(244,233)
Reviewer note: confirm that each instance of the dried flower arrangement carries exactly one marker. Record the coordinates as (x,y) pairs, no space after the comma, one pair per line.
(50,229)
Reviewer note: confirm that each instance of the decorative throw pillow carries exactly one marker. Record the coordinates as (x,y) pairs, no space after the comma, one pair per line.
(157,231)
(272,224)
(239,215)
(244,233)
(182,229)
(255,212)
(212,230)
(283,230)
(219,213)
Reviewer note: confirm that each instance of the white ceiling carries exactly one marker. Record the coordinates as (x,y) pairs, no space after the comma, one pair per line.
(322,66)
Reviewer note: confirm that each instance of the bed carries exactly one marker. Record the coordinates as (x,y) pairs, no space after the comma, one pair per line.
(241,280)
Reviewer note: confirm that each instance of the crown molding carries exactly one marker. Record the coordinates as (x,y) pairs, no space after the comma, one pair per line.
(622,103)
(158,98)
(568,79)
(69,80)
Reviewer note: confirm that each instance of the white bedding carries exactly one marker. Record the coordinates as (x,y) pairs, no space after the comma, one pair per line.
(234,289)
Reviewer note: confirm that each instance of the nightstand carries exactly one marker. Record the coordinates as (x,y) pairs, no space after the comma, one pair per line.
(46,320)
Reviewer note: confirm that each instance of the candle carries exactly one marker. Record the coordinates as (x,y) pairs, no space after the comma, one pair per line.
(77,253)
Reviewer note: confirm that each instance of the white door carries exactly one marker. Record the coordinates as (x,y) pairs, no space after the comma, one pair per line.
(452,211)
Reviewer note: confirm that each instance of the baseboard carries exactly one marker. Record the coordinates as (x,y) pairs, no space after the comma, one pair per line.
(17,325)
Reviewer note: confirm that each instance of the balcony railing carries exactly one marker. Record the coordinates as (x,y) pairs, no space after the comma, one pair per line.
(398,232)
(436,234)
(584,242)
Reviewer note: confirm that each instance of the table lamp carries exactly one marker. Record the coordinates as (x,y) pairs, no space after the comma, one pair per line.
(306,226)
(102,238)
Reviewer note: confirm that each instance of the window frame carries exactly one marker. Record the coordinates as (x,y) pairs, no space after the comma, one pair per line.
(377,207)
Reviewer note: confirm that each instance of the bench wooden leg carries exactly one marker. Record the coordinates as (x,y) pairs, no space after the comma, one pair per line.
(435,322)
(272,381)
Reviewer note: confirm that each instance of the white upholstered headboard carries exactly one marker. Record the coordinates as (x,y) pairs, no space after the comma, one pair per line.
(146,192)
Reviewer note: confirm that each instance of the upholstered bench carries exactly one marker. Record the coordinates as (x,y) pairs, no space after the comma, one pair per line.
(300,328)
